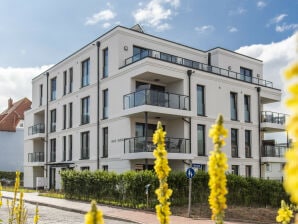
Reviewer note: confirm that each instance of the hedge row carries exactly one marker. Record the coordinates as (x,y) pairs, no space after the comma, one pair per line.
(128,189)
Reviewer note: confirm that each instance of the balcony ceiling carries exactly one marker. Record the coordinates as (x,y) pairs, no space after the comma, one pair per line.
(156,78)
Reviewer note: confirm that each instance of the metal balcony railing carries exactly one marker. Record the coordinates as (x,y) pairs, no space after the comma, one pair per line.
(273,150)
(173,145)
(273,117)
(156,98)
(196,65)
(36,157)
(36,129)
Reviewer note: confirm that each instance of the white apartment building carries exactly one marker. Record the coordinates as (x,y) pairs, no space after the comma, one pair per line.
(98,108)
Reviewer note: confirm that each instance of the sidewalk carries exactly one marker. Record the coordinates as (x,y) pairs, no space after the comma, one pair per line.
(135,216)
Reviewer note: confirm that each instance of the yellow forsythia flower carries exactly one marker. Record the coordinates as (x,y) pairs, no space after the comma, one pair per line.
(162,171)
(217,166)
(0,195)
(94,216)
(284,213)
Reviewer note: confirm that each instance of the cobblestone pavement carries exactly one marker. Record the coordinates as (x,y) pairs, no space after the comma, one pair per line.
(50,215)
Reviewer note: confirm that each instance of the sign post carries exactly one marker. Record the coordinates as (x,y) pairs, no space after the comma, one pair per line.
(189,173)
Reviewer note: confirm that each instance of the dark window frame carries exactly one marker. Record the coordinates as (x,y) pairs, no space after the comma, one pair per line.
(203,153)
(70,147)
(234,106)
(70,110)
(247,136)
(105,103)
(53,116)
(64,116)
(85,110)
(53,88)
(201,101)
(65,82)
(105,68)
(247,104)
(105,142)
(85,77)
(70,84)
(64,149)
(234,143)
(53,148)
(85,145)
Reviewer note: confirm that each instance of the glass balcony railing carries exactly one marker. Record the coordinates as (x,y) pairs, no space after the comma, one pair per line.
(273,117)
(273,150)
(196,65)
(156,98)
(36,157)
(173,145)
(36,129)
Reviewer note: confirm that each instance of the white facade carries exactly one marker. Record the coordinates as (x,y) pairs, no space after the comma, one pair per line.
(146,79)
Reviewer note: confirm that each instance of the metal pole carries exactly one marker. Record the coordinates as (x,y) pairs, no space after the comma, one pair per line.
(189,193)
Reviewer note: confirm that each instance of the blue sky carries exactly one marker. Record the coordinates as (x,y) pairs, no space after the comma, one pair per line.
(36,34)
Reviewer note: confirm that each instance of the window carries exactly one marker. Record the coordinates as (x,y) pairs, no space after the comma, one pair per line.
(64,82)
(247,143)
(53,88)
(53,121)
(105,142)
(85,145)
(70,115)
(53,150)
(105,103)
(105,168)
(140,129)
(64,116)
(85,72)
(201,140)
(85,168)
(248,171)
(40,94)
(85,110)
(246,74)
(70,84)
(200,100)
(234,142)
(105,62)
(268,167)
(70,147)
(246,108)
(64,149)
(168,57)
(235,169)
(139,53)
(233,102)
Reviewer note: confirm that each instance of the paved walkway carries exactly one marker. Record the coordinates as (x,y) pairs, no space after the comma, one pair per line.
(135,216)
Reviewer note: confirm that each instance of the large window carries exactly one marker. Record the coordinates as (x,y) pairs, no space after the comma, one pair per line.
(64,82)
(105,62)
(235,169)
(64,149)
(85,145)
(85,110)
(70,115)
(64,116)
(233,106)
(105,142)
(70,84)
(234,142)
(53,121)
(53,150)
(247,143)
(70,147)
(40,94)
(85,72)
(248,169)
(201,140)
(246,74)
(246,108)
(105,103)
(53,88)
(200,100)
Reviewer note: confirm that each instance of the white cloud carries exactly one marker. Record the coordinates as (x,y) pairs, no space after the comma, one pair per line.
(275,57)
(238,11)
(204,29)
(15,83)
(284,27)
(261,4)
(232,29)
(106,25)
(156,13)
(277,19)
(104,15)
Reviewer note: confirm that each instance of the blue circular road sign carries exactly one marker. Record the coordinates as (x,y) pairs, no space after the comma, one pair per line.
(190,173)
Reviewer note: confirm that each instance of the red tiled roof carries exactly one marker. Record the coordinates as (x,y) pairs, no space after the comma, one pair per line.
(10,117)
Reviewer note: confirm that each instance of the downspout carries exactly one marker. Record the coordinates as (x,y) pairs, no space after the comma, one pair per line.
(98,111)
(189,72)
(146,138)
(47,124)
(259,129)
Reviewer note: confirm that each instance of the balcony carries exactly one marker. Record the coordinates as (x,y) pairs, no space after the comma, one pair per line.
(136,148)
(36,131)
(156,98)
(195,65)
(272,121)
(273,153)
(36,157)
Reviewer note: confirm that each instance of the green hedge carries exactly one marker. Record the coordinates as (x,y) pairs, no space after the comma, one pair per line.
(128,189)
